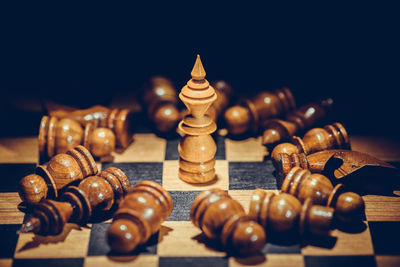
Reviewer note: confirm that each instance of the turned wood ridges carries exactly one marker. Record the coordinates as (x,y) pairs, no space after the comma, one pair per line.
(302,184)
(295,122)
(140,215)
(253,113)
(197,148)
(221,217)
(78,203)
(332,136)
(57,136)
(161,100)
(118,120)
(62,170)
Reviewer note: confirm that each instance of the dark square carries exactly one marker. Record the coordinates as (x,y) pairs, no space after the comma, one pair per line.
(270,248)
(220,141)
(193,261)
(98,243)
(139,171)
(342,261)
(251,175)
(8,240)
(385,237)
(69,262)
(182,204)
(11,174)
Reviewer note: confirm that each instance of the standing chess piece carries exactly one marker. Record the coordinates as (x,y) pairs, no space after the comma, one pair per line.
(118,120)
(62,170)
(297,121)
(254,113)
(161,99)
(77,204)
(197,148)
(140,215)
(219,216)
(302,184)
(332,136)
(57,136)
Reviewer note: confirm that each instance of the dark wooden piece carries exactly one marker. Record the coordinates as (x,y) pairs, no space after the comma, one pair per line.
(57,136)
(62,169)
(252,114)
(139,216)
(219,216)
(77,204)
(118,120)
(297,121)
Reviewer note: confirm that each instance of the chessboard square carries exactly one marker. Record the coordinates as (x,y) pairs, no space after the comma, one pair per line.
(342,261)
(250,149)
(244,197)
(6,262)
(251,175)
(9,212)
(139,171)
(382,208)
(387,261)
(19,149)
(220,142)
(62,262)
(171,180)
(144,148)
(385,237)
(183,239)
(8,240)
(110,261)
(193,261)
(182,204)
(342,243)
(98,243)
(73,242)
(271,248)
(269,260)
(11,174)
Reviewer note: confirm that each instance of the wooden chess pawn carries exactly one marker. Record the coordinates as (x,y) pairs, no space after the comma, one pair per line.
(221,217)
(297,121)
(253,113)
(161,99)
(77,204)
(302,184)
(62,170)
(140,215)
(223,90)
(118,120)
(332,136)
(57,136)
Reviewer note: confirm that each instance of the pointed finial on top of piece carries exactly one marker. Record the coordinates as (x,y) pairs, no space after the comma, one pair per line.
(198,72)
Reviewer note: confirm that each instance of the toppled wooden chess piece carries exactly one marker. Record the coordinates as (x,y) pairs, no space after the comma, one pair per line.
(197,148)
(139,216)
(253,113)
(332,136)
(224,91)
(221,217)
(297,121)
(302,184)
(62,170)
(57,136)
(161,99)
(118,120)
(77,204)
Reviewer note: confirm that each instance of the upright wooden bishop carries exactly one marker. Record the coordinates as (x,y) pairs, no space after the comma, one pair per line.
(197,148)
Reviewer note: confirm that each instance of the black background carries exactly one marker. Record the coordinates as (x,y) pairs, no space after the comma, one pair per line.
(83,54)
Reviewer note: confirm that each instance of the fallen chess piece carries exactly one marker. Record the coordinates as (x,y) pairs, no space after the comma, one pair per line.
(139,216)
(296,122)
(221,217)
(62,170)
(78,203)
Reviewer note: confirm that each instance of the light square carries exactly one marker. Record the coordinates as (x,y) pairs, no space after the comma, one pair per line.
(9,212)
(382,208)
(281,260)
(387,261)
(250,149)
(142,260)
(19,150)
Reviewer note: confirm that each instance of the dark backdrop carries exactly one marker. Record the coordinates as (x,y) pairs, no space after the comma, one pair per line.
(83,54)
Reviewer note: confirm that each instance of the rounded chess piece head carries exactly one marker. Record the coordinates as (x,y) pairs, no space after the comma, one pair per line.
(349,207)
(69,134)
(98,191)
(123,236)
(166,117)
(237,119)
(286,148)
(100,141)
(32,188)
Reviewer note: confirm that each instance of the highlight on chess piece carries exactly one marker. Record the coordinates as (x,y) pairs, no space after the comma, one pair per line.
(197,148)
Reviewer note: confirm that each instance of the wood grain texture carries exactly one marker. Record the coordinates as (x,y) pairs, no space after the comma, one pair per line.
(19,149)
(9,212)
(249,149)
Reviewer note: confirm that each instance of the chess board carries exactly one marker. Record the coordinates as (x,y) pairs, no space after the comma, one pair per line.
(242,165)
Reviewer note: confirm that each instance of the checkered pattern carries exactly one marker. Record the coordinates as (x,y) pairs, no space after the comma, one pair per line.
(241,167)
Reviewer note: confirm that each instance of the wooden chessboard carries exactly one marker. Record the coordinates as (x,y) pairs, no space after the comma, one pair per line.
(241,167)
